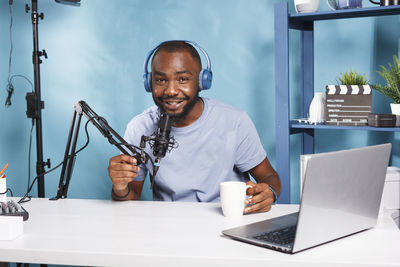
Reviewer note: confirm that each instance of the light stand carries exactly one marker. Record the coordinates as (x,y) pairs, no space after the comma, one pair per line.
(34,102)
(33,99)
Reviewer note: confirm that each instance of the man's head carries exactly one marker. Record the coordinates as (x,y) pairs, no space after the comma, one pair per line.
(175,69)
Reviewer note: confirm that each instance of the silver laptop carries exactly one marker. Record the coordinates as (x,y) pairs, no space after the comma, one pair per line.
(341,196)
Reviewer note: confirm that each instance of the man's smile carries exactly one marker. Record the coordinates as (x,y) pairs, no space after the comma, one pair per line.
(173,103)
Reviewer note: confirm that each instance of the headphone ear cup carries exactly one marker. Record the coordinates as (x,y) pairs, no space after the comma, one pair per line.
(147,81)
(205,79)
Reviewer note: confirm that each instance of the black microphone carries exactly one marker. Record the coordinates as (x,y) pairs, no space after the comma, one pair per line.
(163,142)
(162,138)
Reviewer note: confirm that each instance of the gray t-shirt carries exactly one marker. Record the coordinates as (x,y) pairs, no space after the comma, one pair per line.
(220,146)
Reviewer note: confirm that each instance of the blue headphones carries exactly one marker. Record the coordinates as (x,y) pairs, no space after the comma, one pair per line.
(205,75)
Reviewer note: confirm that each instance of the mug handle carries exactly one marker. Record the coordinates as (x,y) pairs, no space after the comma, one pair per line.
(247,187)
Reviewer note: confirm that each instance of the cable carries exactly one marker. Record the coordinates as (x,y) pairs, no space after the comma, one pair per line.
(29,155)
(24,77)
(27,198)
(11,45)
(10,86)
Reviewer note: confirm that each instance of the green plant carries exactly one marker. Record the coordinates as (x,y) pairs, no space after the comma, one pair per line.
(392,78)
(352,78)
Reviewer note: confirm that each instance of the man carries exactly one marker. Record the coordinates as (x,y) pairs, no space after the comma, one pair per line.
(216,141)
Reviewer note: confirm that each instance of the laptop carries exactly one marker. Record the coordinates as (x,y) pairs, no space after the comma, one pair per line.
(341,196)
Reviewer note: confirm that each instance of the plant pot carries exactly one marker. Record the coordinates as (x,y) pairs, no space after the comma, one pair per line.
(396,111)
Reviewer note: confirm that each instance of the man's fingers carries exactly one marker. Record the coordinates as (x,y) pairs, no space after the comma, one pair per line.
(123,174)
(257,188)
(124,167)
(262,206)
(122,159)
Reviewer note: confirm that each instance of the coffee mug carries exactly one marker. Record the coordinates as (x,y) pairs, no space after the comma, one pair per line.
(233,195)
(305,6)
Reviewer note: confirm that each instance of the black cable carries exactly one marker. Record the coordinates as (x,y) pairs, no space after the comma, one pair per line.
(22,200)
(10,87)
(11,45)
(7,190)
(23,77)
(11,192)
(29,155)
(27,198)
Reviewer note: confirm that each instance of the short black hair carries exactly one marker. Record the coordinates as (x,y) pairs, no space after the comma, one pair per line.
(178,46)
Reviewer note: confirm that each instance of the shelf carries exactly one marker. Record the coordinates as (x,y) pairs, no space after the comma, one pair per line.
(297,21)
(296,125)
(304,23)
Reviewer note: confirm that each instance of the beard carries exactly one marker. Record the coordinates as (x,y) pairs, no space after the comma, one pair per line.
(179,117)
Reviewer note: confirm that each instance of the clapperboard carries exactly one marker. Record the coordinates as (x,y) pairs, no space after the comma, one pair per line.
(348,104)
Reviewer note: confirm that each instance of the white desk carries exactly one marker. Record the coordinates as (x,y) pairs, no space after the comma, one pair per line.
(105,233)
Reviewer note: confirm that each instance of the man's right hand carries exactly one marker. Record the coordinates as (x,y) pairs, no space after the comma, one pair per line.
(122,169)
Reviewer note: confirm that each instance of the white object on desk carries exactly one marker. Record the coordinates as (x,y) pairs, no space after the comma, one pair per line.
(3,189)
(233,195)
(11,227)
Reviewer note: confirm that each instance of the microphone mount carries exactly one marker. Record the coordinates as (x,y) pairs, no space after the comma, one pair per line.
(82,108)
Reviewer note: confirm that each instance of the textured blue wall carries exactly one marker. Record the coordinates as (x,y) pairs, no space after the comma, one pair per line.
(96,54)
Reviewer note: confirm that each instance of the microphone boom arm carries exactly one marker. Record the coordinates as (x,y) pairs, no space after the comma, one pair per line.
(82,108)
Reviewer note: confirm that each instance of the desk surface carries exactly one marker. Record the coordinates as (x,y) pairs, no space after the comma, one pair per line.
(106,233)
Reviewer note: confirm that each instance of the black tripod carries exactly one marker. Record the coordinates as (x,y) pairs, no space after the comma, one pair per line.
(34,102)
(33,99)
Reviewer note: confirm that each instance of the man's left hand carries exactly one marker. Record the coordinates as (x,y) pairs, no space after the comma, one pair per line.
(261,198)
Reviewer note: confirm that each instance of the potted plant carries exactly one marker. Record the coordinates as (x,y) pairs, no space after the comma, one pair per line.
(349,101)
(392,87)
(352,78)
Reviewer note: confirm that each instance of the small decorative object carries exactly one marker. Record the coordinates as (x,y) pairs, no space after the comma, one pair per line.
(344,4)
(349,103)
(392,87)
(381,120)
(306,6)
(316,113)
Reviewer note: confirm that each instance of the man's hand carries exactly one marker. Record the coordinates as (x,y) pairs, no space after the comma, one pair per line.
(122,170)
(261,198)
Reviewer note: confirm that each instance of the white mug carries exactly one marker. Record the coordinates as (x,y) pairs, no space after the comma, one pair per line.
(304,6)
(233,195)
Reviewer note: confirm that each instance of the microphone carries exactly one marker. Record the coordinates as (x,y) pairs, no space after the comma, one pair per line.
(162,138)
(162,141)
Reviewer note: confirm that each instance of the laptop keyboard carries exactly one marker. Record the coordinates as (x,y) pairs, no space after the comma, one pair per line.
(282,236)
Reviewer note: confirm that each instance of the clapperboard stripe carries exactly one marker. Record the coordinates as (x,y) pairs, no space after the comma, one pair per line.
(348,90)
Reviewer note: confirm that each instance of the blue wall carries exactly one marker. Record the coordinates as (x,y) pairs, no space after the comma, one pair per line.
(96,54)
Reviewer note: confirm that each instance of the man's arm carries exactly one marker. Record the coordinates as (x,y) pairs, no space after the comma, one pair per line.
(262,195)
(122,170)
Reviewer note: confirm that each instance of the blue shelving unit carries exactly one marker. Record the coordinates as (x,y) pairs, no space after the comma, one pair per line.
(304,23)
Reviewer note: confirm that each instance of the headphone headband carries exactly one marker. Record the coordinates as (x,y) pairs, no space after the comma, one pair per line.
(205,75)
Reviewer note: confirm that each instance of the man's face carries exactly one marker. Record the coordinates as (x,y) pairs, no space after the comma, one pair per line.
(175,83)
